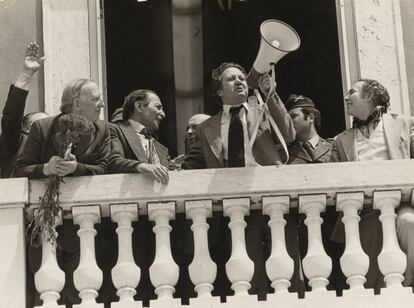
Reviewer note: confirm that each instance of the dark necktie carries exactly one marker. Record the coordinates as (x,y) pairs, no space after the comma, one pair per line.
(309,149)
(236,139)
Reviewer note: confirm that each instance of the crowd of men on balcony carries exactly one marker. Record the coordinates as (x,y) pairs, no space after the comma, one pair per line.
(245,133)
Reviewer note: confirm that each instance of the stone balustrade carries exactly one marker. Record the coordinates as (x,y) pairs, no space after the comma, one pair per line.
(276,191)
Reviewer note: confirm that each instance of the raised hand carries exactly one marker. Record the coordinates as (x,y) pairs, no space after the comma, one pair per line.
(266,84)
(32,60)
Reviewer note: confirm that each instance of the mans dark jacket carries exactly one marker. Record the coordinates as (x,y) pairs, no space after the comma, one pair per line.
(207,150)
(11,139)
(298,155)
(92,152)
(127,151)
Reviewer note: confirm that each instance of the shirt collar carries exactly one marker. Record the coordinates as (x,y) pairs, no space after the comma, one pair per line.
(138,127)
(314,141)
(226,108)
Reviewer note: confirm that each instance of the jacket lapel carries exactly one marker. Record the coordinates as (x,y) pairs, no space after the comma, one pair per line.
(392,131)
(349,145)
(83,144)
(299,152)
(321,149)
(133,141)
(162,153)
(212,132)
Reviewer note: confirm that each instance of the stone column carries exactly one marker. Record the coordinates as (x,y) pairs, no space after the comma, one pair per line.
(126,274)
(49,279)
(164,272)
(187,25)
(88,276)
(354,261)
(14,195)
(279,266)
(317,265)
(392,260)
(239,267)
(202,269)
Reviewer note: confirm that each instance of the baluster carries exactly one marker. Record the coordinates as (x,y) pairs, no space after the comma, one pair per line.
(392,260)
(202,269)
(239,267)
(49,279)
(87,277)
(317,265)
(279,266)
(126,274)
(164,271)
(354,261)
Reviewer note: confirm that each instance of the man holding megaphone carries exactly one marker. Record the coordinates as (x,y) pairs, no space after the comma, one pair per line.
(241,134)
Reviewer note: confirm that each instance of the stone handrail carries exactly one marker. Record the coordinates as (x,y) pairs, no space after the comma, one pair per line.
(348,186)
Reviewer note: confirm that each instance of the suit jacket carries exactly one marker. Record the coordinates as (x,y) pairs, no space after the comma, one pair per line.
(298,155)
(127,151)
(92,152)
(399,136)
(11,139)
(207,150)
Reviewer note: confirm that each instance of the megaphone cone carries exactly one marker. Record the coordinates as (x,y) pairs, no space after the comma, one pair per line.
(278,39)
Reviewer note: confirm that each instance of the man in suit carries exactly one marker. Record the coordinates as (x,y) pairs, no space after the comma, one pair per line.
(134,150)
(241,118)
(90,156)
(376,135)
(308,146)
(241,135)
(15,127)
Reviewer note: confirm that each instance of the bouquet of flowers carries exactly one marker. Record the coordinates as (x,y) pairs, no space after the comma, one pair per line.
(69,129)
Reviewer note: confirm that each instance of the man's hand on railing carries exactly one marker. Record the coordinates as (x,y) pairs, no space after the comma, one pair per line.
(157,172)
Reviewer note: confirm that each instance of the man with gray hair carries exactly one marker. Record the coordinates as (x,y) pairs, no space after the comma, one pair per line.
(89,156)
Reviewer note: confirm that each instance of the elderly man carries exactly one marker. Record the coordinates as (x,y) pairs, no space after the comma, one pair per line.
(190,130)
(308,146)
(89,157)
(15,127)
(134,150)
(241,135)
(377,135)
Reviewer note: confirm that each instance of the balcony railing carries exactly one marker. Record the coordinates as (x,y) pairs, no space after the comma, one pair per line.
(273,190)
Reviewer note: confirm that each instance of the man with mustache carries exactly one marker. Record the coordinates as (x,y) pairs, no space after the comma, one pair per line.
(134,150)
(376,135)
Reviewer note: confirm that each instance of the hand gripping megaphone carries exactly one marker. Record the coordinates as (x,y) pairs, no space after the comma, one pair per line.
(278,39)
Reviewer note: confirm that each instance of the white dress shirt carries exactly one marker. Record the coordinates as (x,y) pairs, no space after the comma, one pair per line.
(147,144)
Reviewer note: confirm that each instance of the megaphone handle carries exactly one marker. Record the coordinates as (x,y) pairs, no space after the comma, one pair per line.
(273,76)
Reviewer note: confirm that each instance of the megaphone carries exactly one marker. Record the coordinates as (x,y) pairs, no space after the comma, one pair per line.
(278,39)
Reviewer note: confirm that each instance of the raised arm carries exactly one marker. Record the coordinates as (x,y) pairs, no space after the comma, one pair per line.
(276,108)
(11,122)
